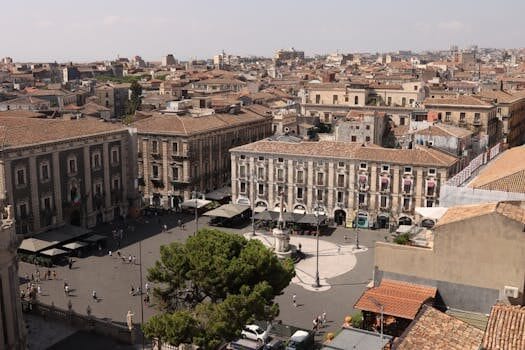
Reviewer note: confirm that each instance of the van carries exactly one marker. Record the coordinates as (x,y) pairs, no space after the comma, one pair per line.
(245,344)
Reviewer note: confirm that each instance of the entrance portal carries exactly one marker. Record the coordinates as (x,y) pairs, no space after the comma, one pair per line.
(405,220)
(340,217)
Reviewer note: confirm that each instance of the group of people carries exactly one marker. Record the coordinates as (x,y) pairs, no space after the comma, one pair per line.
(319,321)
(131,259)
(138,291)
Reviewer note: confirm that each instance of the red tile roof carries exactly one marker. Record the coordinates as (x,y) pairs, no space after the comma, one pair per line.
(433,329)
(399,299)
(506,328)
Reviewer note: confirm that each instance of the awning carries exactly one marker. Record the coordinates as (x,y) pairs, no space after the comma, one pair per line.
(362,178)
(63,234)
(75,245)
(192,203)
(219,194)
(311,219)
(259,209)
(94,238)
(53,252)
(431,184)
(227,211)
(35,245)
(434,213)
(299,211)
(384,180)
(266,215)
(407,182)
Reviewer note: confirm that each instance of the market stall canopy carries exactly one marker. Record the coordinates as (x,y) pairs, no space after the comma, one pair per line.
(35,245)
(94,238)
(219,194)
(259,209)
(53,252)
(191,203)
(434,213)
(63,234)
(75,245)
(228,211)
(311,219)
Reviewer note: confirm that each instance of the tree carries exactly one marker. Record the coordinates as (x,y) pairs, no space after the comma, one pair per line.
(221,281)
(135,99)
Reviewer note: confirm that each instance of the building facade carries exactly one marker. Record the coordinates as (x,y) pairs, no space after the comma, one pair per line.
(181,152)
(114,97)
(80,172)
(346,181)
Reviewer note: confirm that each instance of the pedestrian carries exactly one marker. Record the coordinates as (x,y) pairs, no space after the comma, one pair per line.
(165,227)
(134,259)
(130,258)
(32,277)
(48,274)
(319,321)
(323,317)
(346,238)
(294,300)
(315,322)
(94,295)
(184,226)
(38,275)
(138,291)
(70,264)
(118,254)
(300,246)
(146,287)
(110,253)
(338,249)
(54,275)
(39,289)
(66,290)
(132,290)
(179,223)
(146,299)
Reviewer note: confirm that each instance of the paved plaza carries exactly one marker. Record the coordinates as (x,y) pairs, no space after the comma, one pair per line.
(344,273)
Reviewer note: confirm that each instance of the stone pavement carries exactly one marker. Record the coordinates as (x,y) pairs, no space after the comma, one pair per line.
(345,272)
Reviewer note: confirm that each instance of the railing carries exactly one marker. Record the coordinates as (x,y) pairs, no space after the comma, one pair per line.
(90,323)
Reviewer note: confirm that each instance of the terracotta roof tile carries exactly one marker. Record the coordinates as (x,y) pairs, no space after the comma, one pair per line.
(444,130)
(399,299)
(506,328)
(432,329)
(351,150)
(463,100)
(514,210)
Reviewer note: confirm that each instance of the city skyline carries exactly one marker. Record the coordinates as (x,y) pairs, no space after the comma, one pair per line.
(152,29)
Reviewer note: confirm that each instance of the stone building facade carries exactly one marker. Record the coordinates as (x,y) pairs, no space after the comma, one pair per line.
(80,172)
(181,152)
(346,181)
(113,97)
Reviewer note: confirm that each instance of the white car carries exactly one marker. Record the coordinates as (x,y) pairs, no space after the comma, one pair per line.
(254,332)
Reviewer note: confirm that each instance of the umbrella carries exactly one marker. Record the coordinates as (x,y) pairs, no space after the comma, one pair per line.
(74,245)
(53,252)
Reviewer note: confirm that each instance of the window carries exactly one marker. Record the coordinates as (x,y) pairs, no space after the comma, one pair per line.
(389,100)
(44,171)
(415,87)
(346,99)
(174,148)
(341,164)
(22,210)
(403,101)
(72,165)
(385,167)
(154,146)
(116,183)
(320,179)
(354,138)
(362,166)
(243,156)
(95,161)
(299,193)
(260,189)
(462,117)
(261,158)
(357,127)
(242,171)
(317,99)
(367,127)
(401,120)
(432,171)
(114,156)
(385,183)
(260,173)
(340,196)
(320,195)
(356,100)
(20,177)
(408,170)
(361,198)
(477,118)
(98,189)
(242,187)
(367,138)
(407,185)
(46,203)
(447,116)
(411,101)
(280,160)
(340,180)
(383,201)
(175,173)
(334,99)
(280,174)
(406,203)
(429,203)
(155,171)
(300,176)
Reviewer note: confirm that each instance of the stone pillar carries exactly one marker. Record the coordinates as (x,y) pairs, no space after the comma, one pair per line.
(271,189)
(310,186)
(351,189)
(107,188)
(234,181)
(290,184)
(330,195)
(419,183)
(35,196)
(124,157)
(396,185)
(165,177)
(57,183)
(87,184)
(252,175)
(373,189)
(146,168)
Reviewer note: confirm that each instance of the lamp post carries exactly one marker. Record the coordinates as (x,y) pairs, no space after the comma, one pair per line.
(317,284)
(196,212)
(254,179)
(140,296)
(357,229)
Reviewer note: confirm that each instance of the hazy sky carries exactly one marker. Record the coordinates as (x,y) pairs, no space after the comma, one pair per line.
(62,30)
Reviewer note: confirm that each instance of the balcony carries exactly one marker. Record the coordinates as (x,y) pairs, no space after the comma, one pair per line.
(476,122)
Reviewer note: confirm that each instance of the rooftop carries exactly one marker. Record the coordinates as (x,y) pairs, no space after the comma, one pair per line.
(506,328)
(511,209)
(433,329)
(458,100)
(399,299)
(350,150)
(32,131)
(444,130)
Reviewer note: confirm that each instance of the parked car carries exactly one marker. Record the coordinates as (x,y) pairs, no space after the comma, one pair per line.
(254,332)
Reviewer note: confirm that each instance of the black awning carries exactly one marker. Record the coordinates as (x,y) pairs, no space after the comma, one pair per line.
(157,183)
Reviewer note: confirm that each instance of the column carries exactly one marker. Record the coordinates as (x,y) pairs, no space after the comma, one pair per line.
(396,185)
(419,188)
(165,178)
(330,195)
(290,184)
(233,177)
(87,183)
(310,187)
(252,174)
(373,188)
(35,196)
(57,182)
(145,168)
(125,153)
(107,188)
(351,192)
(271,188)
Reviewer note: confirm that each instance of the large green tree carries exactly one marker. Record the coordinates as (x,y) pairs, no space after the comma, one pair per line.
(214,284)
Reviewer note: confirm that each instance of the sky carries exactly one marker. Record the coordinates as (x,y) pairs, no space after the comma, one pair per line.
(74,30)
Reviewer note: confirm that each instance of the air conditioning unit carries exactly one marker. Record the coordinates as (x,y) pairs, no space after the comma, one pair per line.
(511,292)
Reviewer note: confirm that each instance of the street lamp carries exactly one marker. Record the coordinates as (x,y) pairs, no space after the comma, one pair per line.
(357,230)
(140,295)
(317,284)
(254,180)
(196,211)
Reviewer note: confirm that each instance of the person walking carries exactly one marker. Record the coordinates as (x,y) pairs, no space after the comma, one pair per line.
(132,290)
(165,227)
(70,264)
(66,290)
(134,259)
(316,324)
(110,253)
(54,274)
(294,300)
(48,274)
(179,223)
(146,287)
(130,259)
(323,318)
(39,289)
(94,295)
